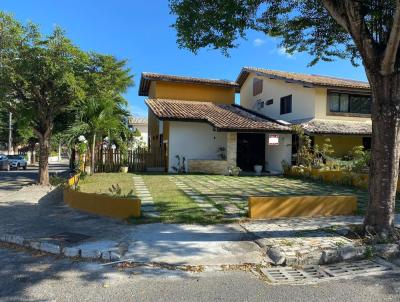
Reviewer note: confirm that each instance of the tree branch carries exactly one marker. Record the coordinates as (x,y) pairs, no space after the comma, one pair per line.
(390,55)
(348,15)
(337,13)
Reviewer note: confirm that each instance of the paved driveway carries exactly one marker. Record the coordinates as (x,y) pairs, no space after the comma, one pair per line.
(15,179)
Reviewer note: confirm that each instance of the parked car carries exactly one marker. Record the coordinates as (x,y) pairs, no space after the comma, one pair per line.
(4,163)
(17,161)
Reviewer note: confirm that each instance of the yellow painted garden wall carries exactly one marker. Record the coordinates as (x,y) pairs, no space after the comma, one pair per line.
(341,144)
(359,180)
(101,204)
(301,206)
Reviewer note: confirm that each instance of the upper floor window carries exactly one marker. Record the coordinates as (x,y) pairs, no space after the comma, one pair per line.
(286,104)
(349,103)
(257,86)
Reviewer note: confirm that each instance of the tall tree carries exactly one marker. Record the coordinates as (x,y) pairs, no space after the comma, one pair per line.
(39,77)
(102,111)
(368,30)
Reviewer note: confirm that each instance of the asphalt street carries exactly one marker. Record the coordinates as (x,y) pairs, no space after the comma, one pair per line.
(31,277)
(13,180)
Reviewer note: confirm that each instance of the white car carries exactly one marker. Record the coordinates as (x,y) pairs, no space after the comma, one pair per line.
(17,161)
(4,163)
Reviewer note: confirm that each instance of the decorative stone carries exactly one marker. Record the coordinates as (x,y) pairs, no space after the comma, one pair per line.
(386,250)
(276,256)
(352,252)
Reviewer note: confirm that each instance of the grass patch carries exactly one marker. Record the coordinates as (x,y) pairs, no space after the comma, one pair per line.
(101,183)
(174,205)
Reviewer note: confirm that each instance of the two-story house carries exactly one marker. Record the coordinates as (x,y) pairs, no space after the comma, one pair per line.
(325,106)
(197,119)
(137,123)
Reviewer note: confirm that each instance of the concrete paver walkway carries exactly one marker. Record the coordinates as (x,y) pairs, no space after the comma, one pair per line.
(38,214)
(147,206)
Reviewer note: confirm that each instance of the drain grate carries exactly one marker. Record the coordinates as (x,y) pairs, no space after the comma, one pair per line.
(69,237)
(314,273)
(355,268)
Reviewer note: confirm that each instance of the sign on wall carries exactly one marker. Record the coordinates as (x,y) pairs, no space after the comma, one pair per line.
(273,139)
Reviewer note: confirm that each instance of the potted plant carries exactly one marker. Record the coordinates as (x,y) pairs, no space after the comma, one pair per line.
(234,171)
(258,169)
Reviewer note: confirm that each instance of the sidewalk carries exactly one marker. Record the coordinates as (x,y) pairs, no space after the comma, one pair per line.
(37,217)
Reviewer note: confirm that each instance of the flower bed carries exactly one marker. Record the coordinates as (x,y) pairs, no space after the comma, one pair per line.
(101,204)
(359,180)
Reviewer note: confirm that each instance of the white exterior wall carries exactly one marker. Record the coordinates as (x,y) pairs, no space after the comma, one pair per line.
(143,132)
(193,141)
(275,154)
(303,99)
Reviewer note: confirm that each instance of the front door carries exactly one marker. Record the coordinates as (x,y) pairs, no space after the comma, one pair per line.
(250,150)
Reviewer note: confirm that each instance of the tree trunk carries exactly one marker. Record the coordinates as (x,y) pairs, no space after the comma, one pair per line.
(92,157)
(72,159)
(385,153)
(44,149)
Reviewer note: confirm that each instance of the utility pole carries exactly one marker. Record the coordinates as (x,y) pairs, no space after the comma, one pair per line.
(10,133)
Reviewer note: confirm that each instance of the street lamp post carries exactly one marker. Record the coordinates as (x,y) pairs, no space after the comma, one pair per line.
(10,133)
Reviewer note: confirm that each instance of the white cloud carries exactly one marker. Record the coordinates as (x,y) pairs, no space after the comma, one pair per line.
(258,42)
(282,51)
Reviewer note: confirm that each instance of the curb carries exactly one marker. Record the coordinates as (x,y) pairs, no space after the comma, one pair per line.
(55,249)
(331,256)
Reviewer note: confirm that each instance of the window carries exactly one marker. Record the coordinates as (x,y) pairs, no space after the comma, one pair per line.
(286,104)
(269,102)
(366,143)
(257,86)
(349,103)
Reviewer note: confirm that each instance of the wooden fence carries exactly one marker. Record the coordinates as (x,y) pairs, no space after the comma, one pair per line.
(138,160)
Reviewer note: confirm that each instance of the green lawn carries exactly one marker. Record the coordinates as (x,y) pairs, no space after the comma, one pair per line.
(101,183)
(174,205)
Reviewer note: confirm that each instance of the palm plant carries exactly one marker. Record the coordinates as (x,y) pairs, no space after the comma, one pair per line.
(99,118)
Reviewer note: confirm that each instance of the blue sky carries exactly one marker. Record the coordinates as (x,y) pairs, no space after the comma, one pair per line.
(140,32)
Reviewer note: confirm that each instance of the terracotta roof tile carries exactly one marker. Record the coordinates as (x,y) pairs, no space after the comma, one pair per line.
(222,117)
(306,79)
(147,77)
(135,120)
(319,126)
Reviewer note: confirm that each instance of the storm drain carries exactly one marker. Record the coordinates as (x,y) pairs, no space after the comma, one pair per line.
(69,237)
(312,273)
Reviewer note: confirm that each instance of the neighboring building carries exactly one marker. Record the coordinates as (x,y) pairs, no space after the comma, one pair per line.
(141,124)
(325,106)
(198,119)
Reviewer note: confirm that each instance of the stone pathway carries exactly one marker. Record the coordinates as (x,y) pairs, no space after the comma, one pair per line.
(231,193)
(200,200)
(147,207)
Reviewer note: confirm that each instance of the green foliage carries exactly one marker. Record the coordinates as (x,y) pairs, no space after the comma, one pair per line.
(102,111)
(302,26)
(305,155)
(115,190)
(361,159)
(56,180)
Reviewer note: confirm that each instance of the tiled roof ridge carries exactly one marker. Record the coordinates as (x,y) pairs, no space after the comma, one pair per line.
(318,80)
(156,75)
